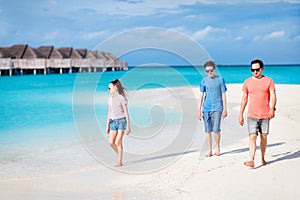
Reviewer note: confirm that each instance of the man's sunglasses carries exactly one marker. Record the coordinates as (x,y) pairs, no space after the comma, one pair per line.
(255,70)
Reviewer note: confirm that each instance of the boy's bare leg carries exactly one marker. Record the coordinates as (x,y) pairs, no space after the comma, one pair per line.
(209,142)
(218,138)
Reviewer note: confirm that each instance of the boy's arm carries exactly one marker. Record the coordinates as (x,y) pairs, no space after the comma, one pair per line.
(224,100)
(200,105)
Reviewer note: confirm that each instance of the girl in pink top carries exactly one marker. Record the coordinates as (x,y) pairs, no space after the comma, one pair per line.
(118,121)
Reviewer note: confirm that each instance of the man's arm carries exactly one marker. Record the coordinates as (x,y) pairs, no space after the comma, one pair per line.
(242,109)
(273,100)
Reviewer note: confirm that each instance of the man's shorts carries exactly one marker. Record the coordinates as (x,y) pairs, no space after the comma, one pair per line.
(212,121)
(118,124)
(256,126)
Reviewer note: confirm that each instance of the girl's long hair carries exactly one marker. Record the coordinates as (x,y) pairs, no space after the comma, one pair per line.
(121,89)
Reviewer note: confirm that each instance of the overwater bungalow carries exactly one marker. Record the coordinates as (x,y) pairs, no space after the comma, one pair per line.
(23,59)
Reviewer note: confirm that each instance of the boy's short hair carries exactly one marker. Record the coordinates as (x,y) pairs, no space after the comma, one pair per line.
(210,63)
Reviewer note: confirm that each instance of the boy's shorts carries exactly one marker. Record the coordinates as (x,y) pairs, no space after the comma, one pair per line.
(212,121)
(256,126)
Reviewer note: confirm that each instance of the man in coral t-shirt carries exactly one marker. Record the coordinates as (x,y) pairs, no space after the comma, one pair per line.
(260,90)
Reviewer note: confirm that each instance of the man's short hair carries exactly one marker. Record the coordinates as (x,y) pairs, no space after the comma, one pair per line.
(261,64)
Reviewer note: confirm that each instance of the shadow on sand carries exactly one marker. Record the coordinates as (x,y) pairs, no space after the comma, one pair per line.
(160,157)
(285,156)
(280,157)
(242,150)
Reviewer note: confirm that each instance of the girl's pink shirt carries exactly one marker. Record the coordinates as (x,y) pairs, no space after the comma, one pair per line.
(116,106)
(258,91)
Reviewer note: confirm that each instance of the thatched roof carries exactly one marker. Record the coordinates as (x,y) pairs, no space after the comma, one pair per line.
(20,51)
(76,55)
(56,54)
(82,52)
(4,52)
(91,54)
(44,51)
(111,57)
(103,55)
(66,51)
(97,54)
(15,51)
(30,53)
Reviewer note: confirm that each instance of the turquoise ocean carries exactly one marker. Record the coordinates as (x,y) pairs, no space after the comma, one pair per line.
(37,111)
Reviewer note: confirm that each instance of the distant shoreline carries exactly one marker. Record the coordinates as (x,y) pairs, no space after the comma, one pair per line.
(227,65)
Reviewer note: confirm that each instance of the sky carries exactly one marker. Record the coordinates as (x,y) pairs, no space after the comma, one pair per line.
(229,31)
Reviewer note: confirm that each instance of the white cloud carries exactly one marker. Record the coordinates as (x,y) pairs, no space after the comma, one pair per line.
(191,16)
(52,2)
(297,37)
(179,29)
(274,35)
(257,38)
(52,35)
(209,31)
(93,35)
(239,38)
(153,6)
(139,7)
(270,36)
(155,38)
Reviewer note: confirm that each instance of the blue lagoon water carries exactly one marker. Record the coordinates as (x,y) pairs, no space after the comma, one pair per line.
(38,111)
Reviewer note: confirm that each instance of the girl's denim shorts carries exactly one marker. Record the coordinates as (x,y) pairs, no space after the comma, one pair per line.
(118,124)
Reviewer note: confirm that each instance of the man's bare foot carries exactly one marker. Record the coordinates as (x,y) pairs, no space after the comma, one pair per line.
(217,153)
(264,163)
(249,163)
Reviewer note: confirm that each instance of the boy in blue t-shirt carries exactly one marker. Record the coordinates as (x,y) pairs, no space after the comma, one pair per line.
(212,105)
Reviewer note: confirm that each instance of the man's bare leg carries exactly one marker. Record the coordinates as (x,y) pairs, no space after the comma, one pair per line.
(252,149)
(263,147)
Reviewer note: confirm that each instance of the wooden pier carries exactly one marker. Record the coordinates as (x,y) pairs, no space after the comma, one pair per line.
(22,59)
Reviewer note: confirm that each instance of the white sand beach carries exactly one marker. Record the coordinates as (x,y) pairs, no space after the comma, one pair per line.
(183,174)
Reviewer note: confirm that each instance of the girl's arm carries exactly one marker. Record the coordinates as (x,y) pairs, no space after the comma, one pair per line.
(108,119)
(128,129)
